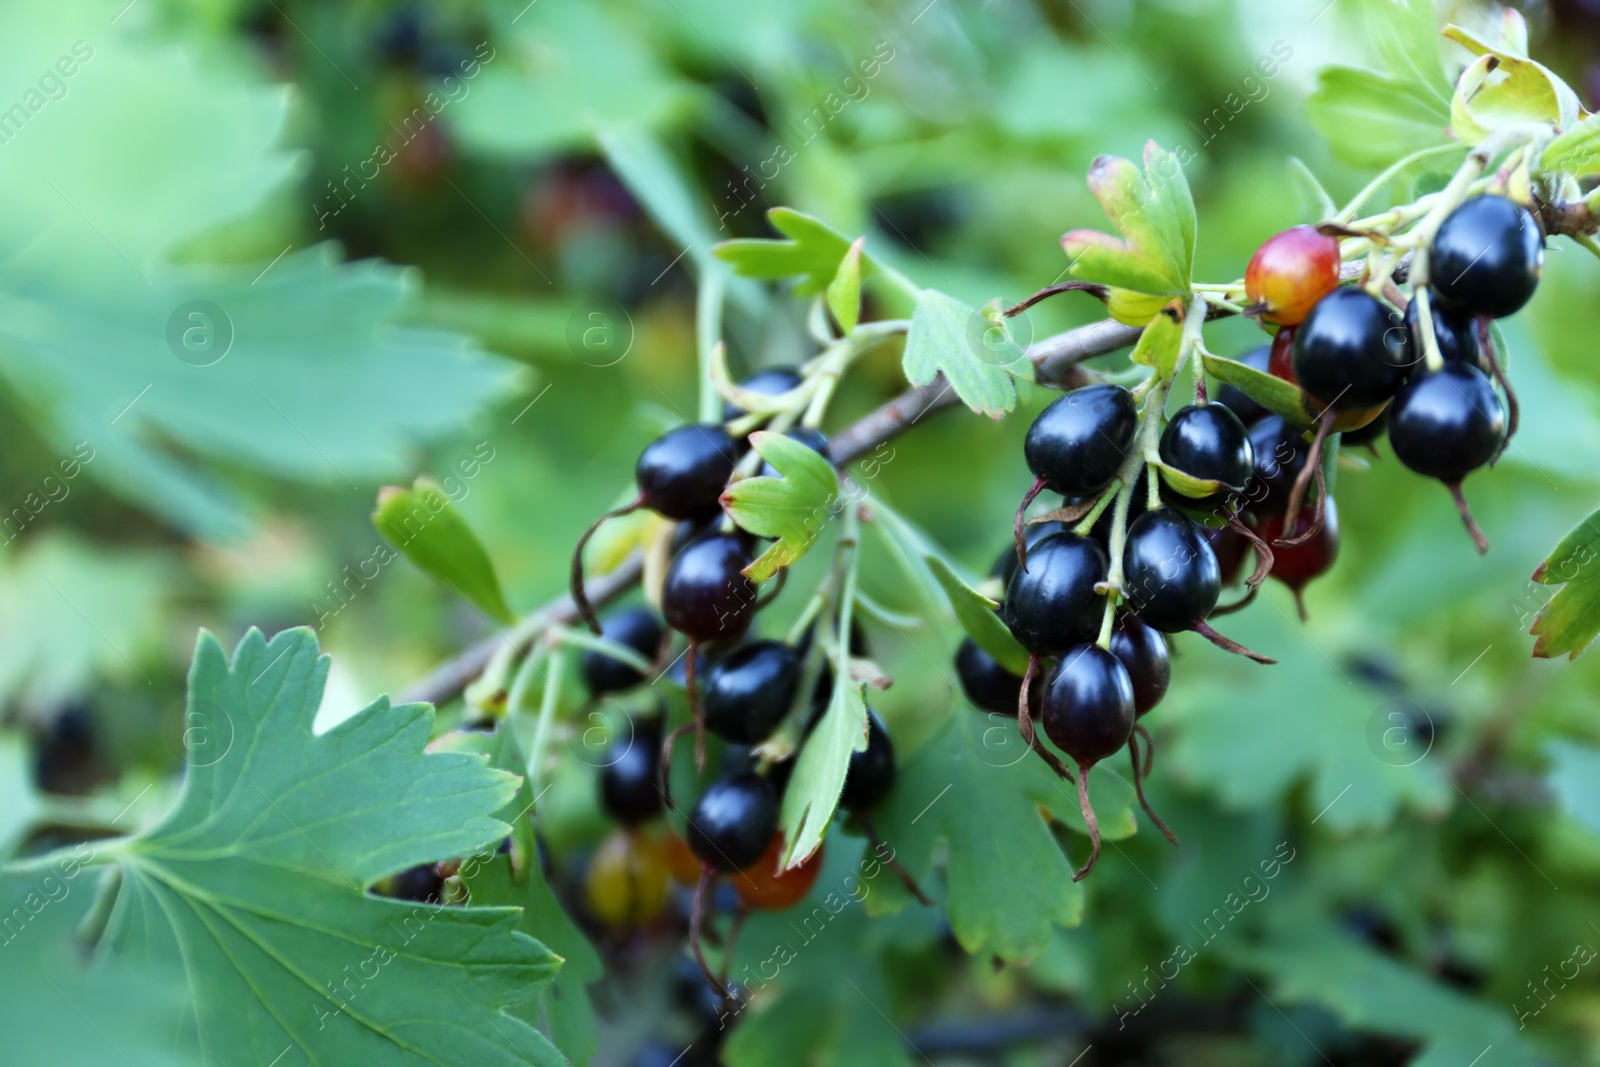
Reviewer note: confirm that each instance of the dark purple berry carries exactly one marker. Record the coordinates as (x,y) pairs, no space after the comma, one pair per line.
(1053,605)
(630,776)
(1487,256)
(1143,653)
(1351,350)
(1171,575)
(682,473)
(1208,442)
(1088,709)
(635,628)
(1447,423)
(749,691)
(1078,443)
(705,596)
(871,773)
(987,684)
(731,823)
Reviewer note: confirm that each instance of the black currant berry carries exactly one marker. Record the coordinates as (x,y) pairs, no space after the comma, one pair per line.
(1143,653)
(770,381)
(1171,574)
(1455,334)
(1006,564)
(733,820)
(1053,605)
(749,691)
(635,628)
(1088,708)
(1447,423)
(813,439)
(1077,443)
(1207,441)
(1296,565)
(1235,398)
(682,473)
(705,596)
(420,883)
(630,776)
(1487,256)
(1351,351)
(1280,456)
(987,684)
(871,773)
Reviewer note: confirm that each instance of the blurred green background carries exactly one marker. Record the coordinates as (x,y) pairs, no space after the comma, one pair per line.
(391,217)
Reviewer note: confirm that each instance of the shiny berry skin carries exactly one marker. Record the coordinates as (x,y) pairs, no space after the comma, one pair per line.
(1143,653)
(1351,351)
(749,691)
(761,885)
(770,381)
(1052,605)
(1290,272)
(1088,709)
(1077,443)
(1171,575)
(732,822)
(1280,456)
(630,775)
(1296,565)
(1207,441)
(988,685)
(682,473)
(1448,423)
(1234,397)
(815,440)
(1456,335)
(1486,257)
(421,883)
(1006,564)
(872,771)
(626,886)
(635,628)
(704,595)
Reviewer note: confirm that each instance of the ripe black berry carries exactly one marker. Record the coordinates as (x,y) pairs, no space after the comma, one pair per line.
(1171,573)
(1088,709)
(1366,435)
(704,595)
(1077,443)
(1351,351)
(1053,605)
(732,821)
(1143,653)
(420,883)
(871,773)
(1487,257)
(770,381)
(1006,564)
(630,776)
(1234,397)
(1280,455)
(749,691)
(1455,334)
(987,684)
(1207,441)
(635,628)
(1448,423)
(682,473)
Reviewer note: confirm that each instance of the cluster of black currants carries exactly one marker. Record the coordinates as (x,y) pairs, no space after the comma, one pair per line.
(751,685)
(1361,356)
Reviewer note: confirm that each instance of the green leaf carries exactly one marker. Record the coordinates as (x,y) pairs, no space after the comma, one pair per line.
(429,530)
(976,787)
(1517,91)
(1355,751)
(62,1015)
(844,292)
(1161,341)
(1271,392)
(1153,211)
(794,508)
(812,252)
(1574,778)
(1576,151)
(116,335)
(1371,119)
(950,338)
(812,795)
(1570,619)
(255,884)
(19,801)
(75,616)
(976,614)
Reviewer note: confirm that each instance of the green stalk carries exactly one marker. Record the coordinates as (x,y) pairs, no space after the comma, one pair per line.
(708,330)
